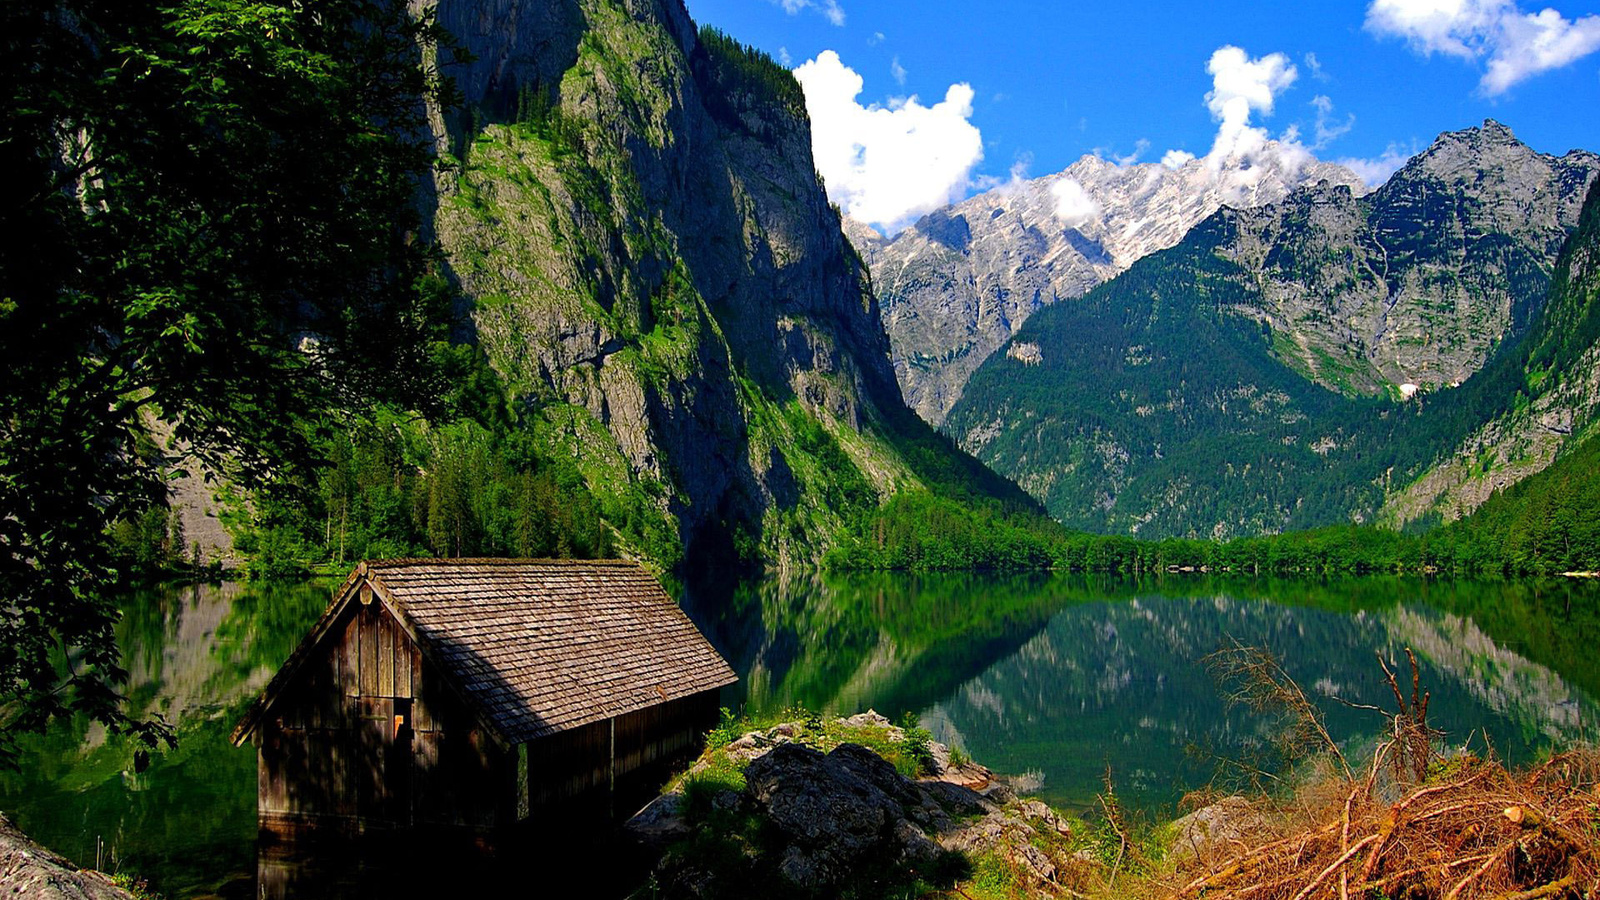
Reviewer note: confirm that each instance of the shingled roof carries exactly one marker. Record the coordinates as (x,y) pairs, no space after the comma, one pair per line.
(539,646)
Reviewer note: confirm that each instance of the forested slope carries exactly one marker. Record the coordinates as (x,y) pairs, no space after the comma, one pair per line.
(1224,387)
(665,347)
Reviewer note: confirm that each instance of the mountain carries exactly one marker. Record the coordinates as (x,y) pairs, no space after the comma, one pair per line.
(1555,385)
(631,210)
(1254,378)
(960,282)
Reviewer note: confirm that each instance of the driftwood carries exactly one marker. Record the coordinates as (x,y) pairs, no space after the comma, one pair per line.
(1473,831)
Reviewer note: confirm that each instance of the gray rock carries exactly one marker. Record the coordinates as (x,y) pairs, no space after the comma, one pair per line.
(30,872)
(1213,828)
(958,284)
(661,821)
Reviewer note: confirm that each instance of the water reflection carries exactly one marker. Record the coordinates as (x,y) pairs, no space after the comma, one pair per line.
(1053,675)
(1062,677)
(197,655)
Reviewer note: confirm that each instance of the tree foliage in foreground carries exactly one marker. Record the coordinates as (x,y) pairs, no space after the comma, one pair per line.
(210,244)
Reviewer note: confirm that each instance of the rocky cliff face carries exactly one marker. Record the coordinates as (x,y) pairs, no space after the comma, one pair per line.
(1420,282)
(959,283)
(657,273)
(1291,365)
(1558,373)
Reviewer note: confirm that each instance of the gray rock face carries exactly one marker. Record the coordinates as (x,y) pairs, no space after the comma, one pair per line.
(31,872)
(662,271)
(1419,282)
(837,809)
(959,283)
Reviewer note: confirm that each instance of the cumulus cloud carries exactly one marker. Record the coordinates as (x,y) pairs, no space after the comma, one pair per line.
(1376,171)
(1241,87)
(1514,44)
(887,165)
(829,9)
(1074,207)
(898,71)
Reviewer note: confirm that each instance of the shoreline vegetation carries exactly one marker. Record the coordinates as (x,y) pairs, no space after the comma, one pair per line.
(1402,816)
(1543,525)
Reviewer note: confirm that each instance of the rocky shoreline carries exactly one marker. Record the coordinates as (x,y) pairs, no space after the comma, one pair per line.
(29,871)
(827,813)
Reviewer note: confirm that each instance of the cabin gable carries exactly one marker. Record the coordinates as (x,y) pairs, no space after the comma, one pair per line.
(368,730)
(470,693)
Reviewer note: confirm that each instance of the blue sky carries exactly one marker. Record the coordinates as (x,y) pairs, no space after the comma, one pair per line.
(1053,81)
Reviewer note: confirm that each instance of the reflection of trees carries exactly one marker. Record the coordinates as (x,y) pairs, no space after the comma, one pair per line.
(892,641)
(198,653)
(1123,683)
(1039,669)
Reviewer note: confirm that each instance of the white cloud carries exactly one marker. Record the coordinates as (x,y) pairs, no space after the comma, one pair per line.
(1315,65)
(1177,159)
(887,165)
(1140,148)
(1017,178)
(829,9)
(1327,130)
(1241,87)
(1516,45)
(876,39)
(1236,78)
(1074,207)
(1377,170)
(784,57)
(898,71)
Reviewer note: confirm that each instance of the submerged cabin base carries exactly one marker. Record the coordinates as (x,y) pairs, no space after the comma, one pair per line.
(475,695)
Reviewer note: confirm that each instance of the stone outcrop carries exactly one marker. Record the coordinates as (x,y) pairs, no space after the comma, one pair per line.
(830,814)
(30,872)
(655,270)
(960,282)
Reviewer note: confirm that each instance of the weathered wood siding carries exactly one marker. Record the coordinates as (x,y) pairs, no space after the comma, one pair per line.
(330,752)
(573,762)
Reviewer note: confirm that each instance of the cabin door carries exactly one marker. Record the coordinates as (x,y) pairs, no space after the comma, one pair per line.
(397,767)
(385,786)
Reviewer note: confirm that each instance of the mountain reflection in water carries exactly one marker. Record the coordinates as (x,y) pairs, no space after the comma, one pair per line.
(1055,676)
(1061,678)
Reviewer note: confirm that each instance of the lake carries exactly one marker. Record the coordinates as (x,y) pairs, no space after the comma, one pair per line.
(1062,680)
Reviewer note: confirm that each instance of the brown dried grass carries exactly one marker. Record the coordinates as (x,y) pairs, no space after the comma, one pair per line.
(1406,826)
(1471,829)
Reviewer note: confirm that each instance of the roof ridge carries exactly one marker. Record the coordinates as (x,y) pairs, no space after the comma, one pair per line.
(404,562)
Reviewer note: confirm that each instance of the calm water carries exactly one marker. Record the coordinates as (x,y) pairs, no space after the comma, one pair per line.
(1056,677)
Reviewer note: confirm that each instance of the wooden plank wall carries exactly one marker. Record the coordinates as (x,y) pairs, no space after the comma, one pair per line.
(574,762)
(328,751)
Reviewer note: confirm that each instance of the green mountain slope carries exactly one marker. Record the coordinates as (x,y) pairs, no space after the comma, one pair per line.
(656,275)
(1241,382)
(1544,524)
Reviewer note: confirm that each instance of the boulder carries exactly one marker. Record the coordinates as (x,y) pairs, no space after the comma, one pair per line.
(1212,828)
(30,872)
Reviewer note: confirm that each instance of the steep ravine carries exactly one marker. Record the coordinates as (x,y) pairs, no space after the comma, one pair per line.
(657,273)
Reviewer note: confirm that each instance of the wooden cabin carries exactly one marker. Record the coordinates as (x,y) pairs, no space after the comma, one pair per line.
(471,693)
